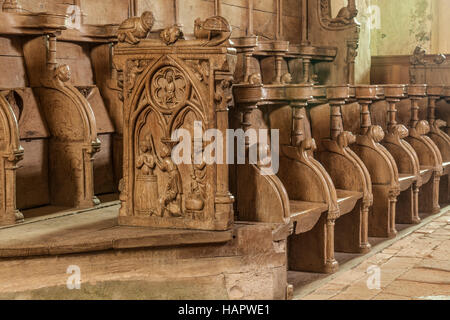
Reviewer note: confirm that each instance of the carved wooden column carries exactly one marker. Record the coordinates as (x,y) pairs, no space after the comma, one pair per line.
(429,155)
(337,153)
(172,84)
(405,156)
(380,163)
(12,155)
(337,97)
(440,138)
(434,94)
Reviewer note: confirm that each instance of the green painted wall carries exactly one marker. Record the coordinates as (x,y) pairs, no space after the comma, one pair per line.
(404,25)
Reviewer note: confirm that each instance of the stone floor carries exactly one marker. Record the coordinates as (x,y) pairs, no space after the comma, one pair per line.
(417,267)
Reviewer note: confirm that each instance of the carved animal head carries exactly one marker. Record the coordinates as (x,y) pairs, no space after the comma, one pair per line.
(423,127)
(63,72)
(309,144)
(171,35)
(401,131)
(147,20)
(345,139)
(286,78)
(440,123)
(255,79)
(377,133)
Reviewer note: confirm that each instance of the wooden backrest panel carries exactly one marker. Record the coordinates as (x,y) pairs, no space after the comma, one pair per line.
(379,112)
(12,66)
(77,57)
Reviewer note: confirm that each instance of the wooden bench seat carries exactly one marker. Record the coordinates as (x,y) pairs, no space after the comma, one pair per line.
(305,214)
(426,172)
(347,200)
(406,180)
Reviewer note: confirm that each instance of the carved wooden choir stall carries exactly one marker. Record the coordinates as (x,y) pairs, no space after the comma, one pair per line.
(319,164)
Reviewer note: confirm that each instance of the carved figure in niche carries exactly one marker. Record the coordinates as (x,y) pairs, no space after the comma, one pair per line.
(223,94)
(169,87)
(196,199)
(215,30)
(146,192)
(346,15)
(135,69)
(170,202)
(171,35)
(134,29)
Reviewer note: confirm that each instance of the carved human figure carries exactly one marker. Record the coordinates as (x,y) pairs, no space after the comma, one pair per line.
(196,200)
(146,190)
(63,73)
(134,29)
(135,68)
(170,202)
(169,89)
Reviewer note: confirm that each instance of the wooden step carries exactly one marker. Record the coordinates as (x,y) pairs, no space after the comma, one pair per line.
(306,214)
(95,230)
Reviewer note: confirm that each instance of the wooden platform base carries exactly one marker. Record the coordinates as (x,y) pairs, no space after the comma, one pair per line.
(140,263)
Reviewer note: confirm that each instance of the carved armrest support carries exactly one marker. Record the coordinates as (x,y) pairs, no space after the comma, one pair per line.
(341,148)
(422,128)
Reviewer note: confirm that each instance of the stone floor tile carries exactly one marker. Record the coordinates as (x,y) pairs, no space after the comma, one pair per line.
(416,289)
(427,276)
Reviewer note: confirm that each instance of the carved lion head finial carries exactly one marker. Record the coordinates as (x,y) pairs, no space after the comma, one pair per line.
(171,35)
(440,123)
(309,144)
(255,79)
(147,20)
(345,139)
(286,78)
(377,133)
(401,131)
(423,127)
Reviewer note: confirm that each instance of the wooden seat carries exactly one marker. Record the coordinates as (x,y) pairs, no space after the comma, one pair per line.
(406,180)
(357,118)
(384,114)
(303,188)
(347,200)
(306,214)
(427,151)
(346,169)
